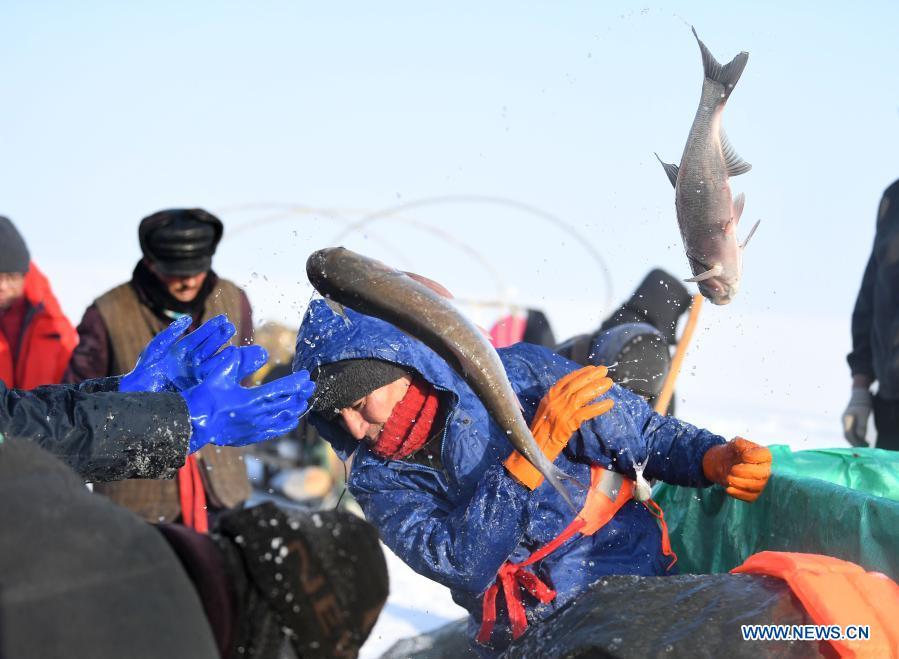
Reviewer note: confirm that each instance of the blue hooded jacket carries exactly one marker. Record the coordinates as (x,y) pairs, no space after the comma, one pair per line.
(458,525)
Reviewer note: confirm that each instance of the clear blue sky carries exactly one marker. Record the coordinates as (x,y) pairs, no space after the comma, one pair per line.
(113,110)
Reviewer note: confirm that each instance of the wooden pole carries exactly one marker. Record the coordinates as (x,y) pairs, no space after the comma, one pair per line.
(664,398)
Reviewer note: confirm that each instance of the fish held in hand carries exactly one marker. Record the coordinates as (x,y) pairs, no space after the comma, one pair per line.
(375,289)
(707,213)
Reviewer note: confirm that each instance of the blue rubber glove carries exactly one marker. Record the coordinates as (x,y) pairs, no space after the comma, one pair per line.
(224,413)
(170,363)
(252,358)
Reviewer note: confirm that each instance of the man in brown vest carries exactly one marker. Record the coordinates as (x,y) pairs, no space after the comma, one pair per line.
(174,278)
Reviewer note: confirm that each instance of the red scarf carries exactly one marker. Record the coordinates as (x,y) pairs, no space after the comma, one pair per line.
(192,496)
(409,424)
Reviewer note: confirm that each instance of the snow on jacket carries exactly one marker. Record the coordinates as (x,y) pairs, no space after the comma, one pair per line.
(102,434)
(875,319)
(458,525)
(46,338)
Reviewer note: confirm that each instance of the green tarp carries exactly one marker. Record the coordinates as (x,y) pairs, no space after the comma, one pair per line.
(838,502)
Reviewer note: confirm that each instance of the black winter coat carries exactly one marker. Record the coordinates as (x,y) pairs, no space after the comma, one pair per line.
(875,320)
(102,434)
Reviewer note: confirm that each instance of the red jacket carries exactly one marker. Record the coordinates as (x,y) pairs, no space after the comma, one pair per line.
(46,342)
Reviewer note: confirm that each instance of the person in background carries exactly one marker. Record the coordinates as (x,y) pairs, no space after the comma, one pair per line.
(531,326)
(299,465)
(637,356)
(875,336)
(173,279)
(36,338)
(633,342)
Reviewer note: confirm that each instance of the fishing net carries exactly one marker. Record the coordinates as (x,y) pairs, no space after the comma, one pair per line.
(839,502)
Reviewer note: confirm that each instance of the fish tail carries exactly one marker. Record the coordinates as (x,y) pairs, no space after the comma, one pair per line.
(726,75)
(555,476)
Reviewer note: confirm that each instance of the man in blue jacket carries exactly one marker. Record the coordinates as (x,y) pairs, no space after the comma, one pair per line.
(428,470)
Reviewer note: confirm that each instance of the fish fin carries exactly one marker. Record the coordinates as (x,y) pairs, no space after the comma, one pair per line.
(338,308)
(714,271)
(726,75)
(732,161)
(751,232)
(670,169)
(739,203)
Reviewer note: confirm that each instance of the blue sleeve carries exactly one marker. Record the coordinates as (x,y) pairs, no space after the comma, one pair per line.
(630,433)
(460,547)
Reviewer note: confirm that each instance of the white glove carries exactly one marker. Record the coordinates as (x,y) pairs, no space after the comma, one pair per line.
(855,418)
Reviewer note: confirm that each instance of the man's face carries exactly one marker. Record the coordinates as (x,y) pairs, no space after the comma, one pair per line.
(12,287)
(365,418)
(183,289)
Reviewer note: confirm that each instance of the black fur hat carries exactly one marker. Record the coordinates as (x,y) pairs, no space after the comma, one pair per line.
(181,241)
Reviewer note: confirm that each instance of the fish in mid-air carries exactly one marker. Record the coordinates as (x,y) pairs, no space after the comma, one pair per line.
(707,213)
(424,312)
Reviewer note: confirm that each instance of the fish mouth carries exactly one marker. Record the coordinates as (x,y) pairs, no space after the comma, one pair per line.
(715,289)
(717,292)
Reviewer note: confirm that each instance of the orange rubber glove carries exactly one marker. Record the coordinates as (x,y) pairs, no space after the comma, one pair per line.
(561,412)
(741,466)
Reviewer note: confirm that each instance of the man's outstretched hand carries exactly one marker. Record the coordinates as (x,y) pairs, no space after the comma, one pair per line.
(740,466)
(172,363)
(224,413)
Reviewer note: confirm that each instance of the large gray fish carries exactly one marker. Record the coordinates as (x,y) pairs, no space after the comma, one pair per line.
(373,288)
(706,212)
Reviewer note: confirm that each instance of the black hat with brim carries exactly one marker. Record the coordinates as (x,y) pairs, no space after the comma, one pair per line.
(180,242)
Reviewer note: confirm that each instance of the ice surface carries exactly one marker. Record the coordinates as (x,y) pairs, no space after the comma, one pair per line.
(415,605)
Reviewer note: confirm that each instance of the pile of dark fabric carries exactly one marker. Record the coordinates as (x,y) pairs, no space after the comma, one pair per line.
(636,617)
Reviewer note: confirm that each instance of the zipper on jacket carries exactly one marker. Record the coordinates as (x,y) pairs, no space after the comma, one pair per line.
(30,313)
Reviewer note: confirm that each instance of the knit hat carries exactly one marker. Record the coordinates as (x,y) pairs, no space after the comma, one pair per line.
(323,574)
(180,242)
(14,256)
(340,384)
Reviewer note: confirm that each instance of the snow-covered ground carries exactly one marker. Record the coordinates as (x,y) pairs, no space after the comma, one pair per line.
(415,605)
